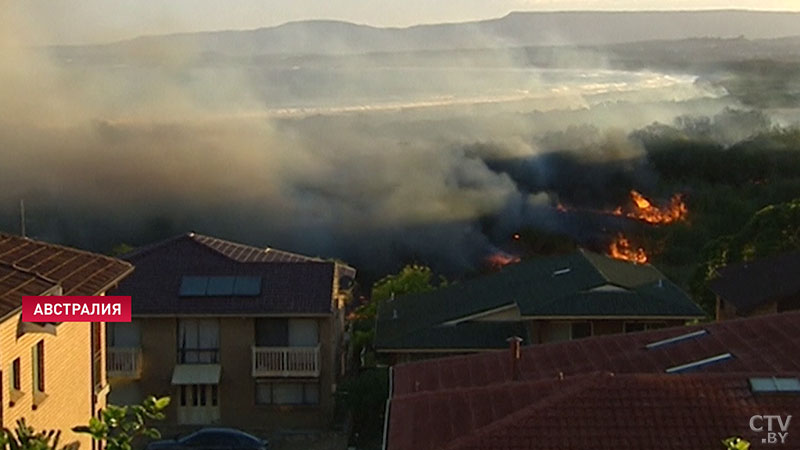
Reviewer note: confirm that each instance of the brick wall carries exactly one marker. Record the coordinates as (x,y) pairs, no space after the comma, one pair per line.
(67,374)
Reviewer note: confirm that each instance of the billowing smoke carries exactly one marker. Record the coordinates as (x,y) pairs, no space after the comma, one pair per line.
(142,147)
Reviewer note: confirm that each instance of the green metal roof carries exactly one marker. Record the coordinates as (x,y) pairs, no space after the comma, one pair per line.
(579,284)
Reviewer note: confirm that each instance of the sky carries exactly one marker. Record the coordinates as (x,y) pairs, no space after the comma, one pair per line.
(97,21)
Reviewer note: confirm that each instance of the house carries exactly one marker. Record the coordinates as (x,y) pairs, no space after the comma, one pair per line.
(542,300)
(763,286)
(52,374)
(681,388)
(237,335)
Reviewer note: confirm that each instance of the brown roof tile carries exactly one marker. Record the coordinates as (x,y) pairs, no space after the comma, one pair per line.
(31,267)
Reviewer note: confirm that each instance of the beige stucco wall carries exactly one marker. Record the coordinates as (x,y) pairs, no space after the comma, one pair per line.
(68,378)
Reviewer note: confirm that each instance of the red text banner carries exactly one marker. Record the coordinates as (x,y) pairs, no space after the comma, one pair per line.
(76,309)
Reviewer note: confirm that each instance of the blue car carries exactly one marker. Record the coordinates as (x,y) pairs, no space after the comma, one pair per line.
(212,439)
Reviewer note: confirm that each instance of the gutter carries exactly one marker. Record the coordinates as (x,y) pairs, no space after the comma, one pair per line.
(385,443)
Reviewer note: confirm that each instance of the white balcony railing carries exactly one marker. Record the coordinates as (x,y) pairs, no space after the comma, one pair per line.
(124,362)
(286,361)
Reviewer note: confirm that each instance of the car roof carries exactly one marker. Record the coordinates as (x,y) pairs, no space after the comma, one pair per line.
(223,430)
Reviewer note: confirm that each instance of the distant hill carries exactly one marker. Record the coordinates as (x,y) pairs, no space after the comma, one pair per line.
(515,29)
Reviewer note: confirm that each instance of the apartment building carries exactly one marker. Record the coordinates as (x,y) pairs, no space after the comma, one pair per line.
(52,374)
(237,335)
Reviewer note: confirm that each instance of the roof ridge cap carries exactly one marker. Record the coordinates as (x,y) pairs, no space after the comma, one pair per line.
(147,248)
(194,236)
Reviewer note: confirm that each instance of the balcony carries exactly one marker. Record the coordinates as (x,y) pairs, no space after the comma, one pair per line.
(286,361)
(124,362)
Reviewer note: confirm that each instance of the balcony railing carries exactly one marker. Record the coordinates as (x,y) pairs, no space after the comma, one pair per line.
(286,361)
(124,362)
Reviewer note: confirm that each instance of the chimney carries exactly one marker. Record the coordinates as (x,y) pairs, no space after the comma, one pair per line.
(515,354)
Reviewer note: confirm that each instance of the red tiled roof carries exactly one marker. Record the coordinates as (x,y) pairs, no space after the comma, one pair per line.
(763,343)
(623,412)
(603,392)
(30,267)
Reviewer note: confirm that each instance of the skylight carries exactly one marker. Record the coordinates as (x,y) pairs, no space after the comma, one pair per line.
(676,339)
(775,385)
(701,363)
(221,286)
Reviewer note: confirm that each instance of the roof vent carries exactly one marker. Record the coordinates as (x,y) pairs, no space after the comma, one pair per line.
(394,314)
(676,339)
(698,364)
(563,271)
(775,385)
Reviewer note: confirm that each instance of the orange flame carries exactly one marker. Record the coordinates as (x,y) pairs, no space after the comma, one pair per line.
(644,210)
(621,248)
(499,260)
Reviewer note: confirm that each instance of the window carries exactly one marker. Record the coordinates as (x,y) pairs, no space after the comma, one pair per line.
(198,395)
(272,332)
(287,332)
(287,393)
(633,327)
(123,334)
(38,366)
(580,330)
(198,341)
(16,381)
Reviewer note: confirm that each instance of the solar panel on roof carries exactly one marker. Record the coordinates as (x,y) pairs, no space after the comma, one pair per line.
(247,286)
(775,385)
(193,286)
(220,286)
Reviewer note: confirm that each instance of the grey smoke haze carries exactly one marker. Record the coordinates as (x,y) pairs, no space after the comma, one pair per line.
(110,152)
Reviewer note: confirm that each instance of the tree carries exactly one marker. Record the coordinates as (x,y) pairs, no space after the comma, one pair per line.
(121,249)
(411,279)
(25,437)
(772,230)
(118,426)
